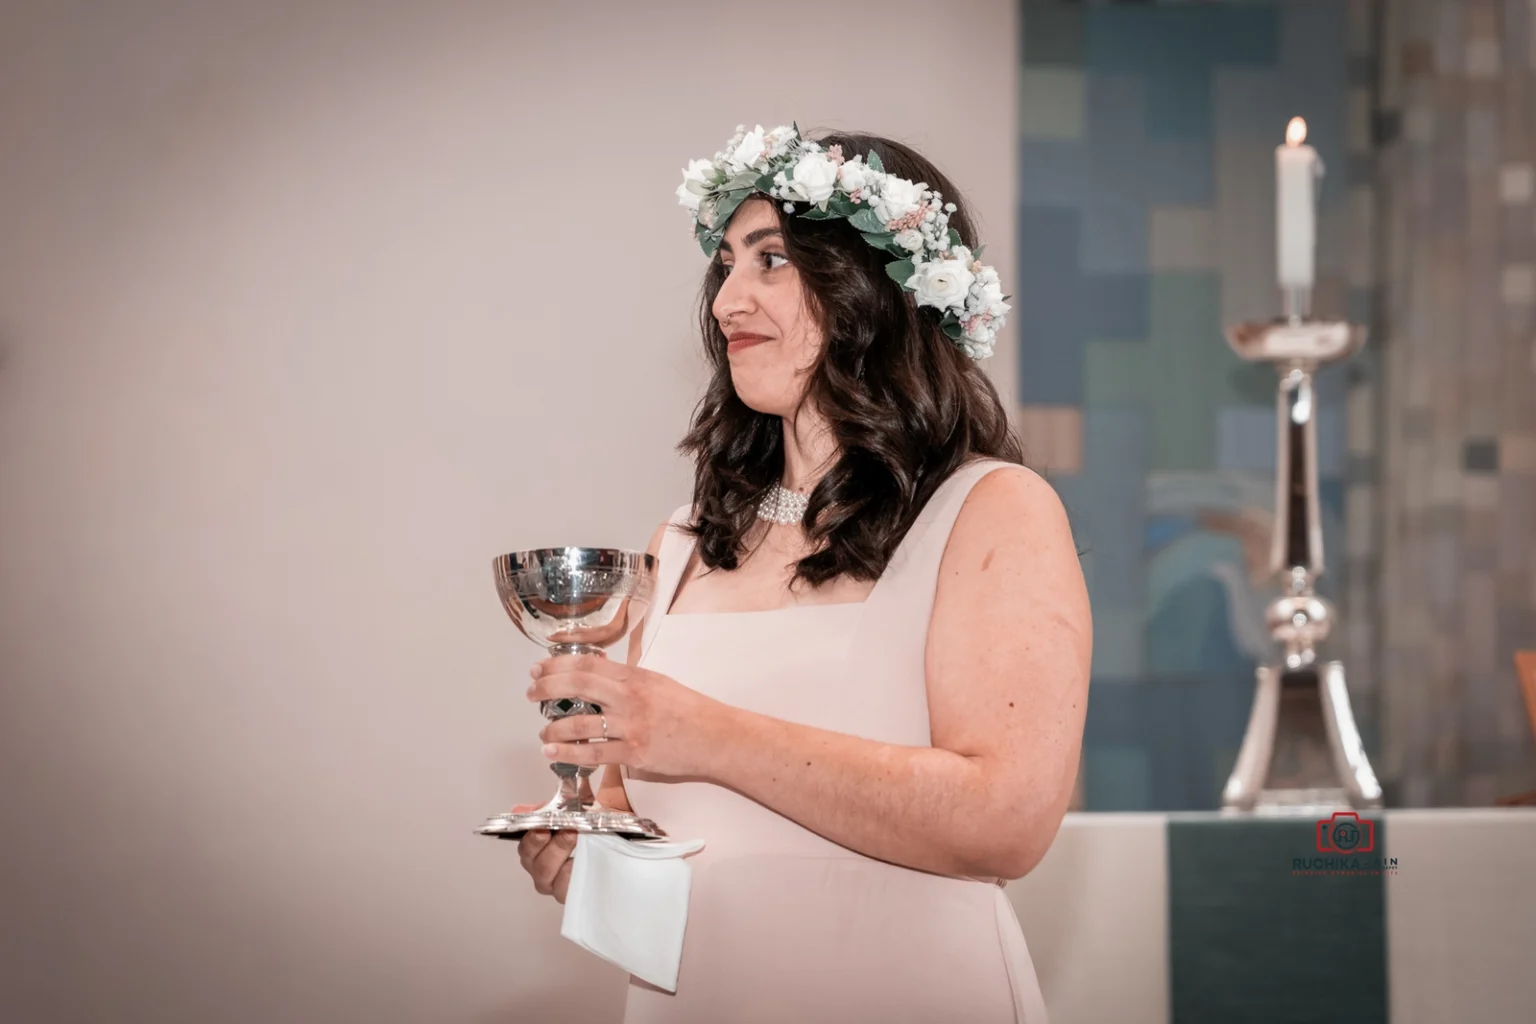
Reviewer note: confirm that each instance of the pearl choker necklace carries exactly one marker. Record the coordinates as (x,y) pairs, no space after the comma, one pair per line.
(783,506)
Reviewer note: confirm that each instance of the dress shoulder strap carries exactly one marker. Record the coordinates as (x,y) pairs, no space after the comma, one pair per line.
(671,559)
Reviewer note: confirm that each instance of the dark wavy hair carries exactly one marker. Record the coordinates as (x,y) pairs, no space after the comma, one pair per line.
(905,405)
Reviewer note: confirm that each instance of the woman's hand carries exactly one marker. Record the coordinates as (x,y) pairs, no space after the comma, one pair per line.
(654,722)
(546,857)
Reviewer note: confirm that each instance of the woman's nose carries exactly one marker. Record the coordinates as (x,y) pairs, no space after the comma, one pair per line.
(730,301)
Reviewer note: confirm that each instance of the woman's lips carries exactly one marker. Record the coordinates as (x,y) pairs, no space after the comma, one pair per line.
(742,341)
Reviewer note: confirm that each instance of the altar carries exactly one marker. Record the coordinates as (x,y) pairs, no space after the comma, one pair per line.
(1191,917)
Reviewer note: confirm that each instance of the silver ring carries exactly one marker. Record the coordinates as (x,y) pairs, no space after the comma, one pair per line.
(605,727)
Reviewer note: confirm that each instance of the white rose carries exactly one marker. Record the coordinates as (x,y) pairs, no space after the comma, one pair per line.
(910,239)
(855,174)
(688,199)
(815,177)
(695,175)
(749,151)
(941,283)
(898,197)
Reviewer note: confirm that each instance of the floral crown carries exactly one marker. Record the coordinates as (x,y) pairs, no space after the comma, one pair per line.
(909,221)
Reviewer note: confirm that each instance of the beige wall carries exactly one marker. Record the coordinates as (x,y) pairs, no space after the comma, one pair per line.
(307,310)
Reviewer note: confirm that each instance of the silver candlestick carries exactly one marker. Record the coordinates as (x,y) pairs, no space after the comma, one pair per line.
(1301,751)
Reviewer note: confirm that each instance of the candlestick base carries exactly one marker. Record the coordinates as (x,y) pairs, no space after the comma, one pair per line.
(1302,751)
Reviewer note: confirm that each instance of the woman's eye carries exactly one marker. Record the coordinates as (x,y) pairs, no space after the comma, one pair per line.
(766,257)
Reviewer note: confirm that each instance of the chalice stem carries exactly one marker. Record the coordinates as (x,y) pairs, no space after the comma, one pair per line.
(575,789)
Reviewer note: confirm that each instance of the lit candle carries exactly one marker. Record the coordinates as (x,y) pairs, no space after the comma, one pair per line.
(1297,169)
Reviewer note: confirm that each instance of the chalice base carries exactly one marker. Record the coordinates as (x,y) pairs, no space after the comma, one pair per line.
(576,811)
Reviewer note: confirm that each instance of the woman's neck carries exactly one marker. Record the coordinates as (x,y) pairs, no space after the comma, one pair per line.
(809,449)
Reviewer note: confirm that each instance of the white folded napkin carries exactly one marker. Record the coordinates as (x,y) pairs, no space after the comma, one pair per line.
(628,903)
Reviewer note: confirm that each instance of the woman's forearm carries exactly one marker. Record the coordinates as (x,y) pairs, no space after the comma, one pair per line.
(920,807)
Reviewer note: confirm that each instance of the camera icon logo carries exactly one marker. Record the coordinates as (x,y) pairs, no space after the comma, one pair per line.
(1346,832)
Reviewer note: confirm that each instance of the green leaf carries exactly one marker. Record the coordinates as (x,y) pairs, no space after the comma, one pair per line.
(976,252)
(727,207)
(746,179)
(764,183)
(868,220)
(899,271)
(816,213)
(872,160)
(880,239)
(841,205)
(954,238)
(951,327)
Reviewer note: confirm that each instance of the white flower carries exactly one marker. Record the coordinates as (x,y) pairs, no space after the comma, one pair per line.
(695,183)
(941,283)
(910,239)
(855,174)
(898,197)
(976,348)
(780,140)
(749,151)
(815,177)
(992,293)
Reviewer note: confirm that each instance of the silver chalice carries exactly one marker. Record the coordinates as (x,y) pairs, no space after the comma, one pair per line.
(574,601)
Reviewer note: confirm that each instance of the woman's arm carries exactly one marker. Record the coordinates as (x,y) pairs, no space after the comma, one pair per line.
(1007,666)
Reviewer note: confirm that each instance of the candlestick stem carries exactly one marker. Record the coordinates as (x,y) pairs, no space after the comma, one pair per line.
(1297,302)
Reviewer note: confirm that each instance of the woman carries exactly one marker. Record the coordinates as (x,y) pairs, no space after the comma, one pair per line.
(864,674)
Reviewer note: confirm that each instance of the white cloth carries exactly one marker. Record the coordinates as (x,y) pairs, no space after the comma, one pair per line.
(628,903)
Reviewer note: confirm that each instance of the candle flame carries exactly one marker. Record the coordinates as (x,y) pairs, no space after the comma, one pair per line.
(1296,132)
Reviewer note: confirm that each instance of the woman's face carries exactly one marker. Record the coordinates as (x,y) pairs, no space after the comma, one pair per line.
(774,337)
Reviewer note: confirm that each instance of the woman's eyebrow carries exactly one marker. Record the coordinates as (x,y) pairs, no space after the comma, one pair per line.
(751,238)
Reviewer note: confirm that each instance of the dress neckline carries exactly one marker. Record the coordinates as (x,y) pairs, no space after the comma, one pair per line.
(908,539)
(766,611)
(688,551)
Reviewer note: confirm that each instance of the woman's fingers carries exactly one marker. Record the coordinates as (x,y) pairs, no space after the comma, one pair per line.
(562,882)
(578,727)
(556,683)
(549,860)
(529,847)
(587,754)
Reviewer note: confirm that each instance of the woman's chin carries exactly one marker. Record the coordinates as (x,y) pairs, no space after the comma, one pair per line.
(768,405)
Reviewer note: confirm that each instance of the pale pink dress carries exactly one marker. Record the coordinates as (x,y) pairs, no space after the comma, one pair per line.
(787,926)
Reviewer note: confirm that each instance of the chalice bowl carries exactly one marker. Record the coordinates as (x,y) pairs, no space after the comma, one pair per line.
(574,601)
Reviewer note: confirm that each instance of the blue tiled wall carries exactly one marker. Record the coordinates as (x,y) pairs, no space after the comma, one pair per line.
(1146,139)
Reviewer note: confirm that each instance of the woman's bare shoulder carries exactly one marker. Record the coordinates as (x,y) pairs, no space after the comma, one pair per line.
(1012,515)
